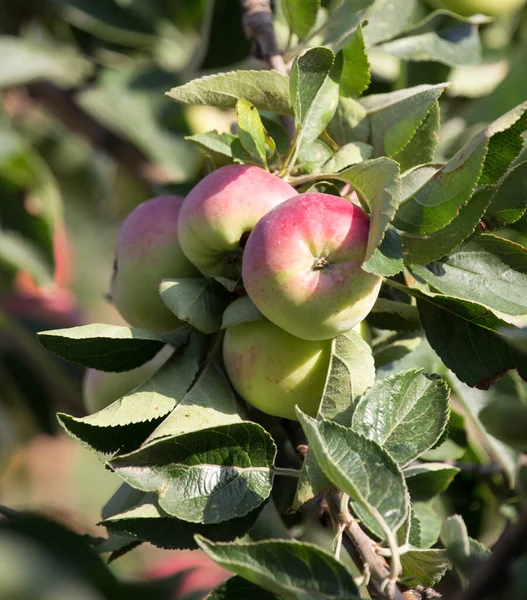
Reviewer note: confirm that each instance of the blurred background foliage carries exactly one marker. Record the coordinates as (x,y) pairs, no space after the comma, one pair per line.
(86,134)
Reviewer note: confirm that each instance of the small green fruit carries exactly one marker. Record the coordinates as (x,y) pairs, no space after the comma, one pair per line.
(273,370)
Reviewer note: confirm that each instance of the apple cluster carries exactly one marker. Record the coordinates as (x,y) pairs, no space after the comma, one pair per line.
(297,256)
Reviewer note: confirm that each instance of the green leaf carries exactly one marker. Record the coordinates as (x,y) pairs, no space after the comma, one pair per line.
(350,123)
(267,90)
(378,184)
(301,15)
(429,523)
(240,311)
(127,423)
(462,550)
(424,249)
(223,148)
(314,90)
(394,315)
(406,414)
(351,372)
(104,347)
(252,133)
(148,522)
(24,61)
(342,23)
(208,476)
(209,403)
(421,148)
(413,179)
(489,270)
(510,201)
(313,157)
(484,160)
(427,480)
(395,117)
(424,567)
(238,588)
(363,470)
(349,154)
(389,18)
(441,37)
(387,260)
(200,302)
(355,77)
(285,568)
(464,335)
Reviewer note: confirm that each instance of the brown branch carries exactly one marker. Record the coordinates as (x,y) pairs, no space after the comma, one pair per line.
(62,105)
(492,574)
(259,28)
(365,551)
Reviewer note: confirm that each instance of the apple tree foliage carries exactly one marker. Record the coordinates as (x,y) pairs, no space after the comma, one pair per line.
(440,390)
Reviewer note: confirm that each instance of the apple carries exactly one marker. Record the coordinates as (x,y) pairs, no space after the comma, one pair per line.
(302,266)
(221,210)
(273,370)
(102,388)
(147,252)
(467,8)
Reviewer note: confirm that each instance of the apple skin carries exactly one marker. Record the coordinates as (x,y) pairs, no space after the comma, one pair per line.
(273,370)
(102,388)
(220,209)
(467,8)
(302,266)
(147,252)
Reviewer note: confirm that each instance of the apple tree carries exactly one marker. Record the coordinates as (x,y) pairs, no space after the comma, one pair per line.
(322,380)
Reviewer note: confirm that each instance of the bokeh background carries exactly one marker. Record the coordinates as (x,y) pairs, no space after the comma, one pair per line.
(86,134)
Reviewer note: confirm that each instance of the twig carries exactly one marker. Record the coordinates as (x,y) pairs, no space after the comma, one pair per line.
(62,105)
(365,550)
(258,25)
(492,574)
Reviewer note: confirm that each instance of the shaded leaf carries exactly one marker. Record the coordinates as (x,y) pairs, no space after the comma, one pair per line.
(424,567)
(199,302)
(301,15)
(252,133)
(395,117)
(510,201)
(421,148)
(489,270)
(240,311)
(427,480)
(103,347)
(285,568)
(238,588)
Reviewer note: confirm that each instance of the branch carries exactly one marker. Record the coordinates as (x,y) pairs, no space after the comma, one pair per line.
(365,550)
(258,25)
(492,574)
(61,104)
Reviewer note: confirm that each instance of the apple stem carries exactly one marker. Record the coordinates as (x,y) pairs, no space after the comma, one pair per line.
(320,263)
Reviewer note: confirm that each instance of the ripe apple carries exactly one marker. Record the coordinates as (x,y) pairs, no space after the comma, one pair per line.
(221,210)
(467,8)
(273,370)
(102,388)
(302,266)
(147,252)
